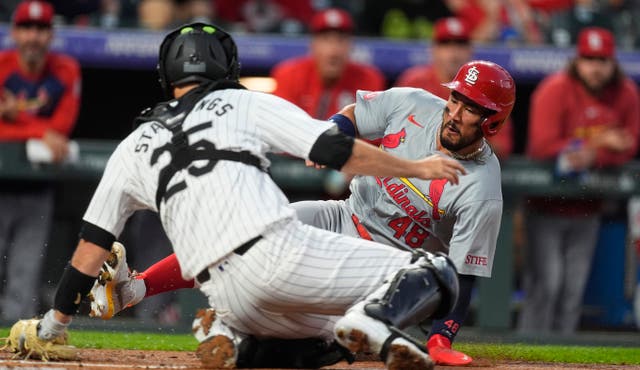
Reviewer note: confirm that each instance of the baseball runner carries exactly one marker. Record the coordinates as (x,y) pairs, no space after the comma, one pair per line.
(462,221)
(199,160)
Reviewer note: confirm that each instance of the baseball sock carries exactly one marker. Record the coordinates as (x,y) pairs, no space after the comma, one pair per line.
(164,276)
(450,325)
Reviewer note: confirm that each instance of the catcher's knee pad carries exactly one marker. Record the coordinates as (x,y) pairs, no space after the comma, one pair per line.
(429,288)
(447,274)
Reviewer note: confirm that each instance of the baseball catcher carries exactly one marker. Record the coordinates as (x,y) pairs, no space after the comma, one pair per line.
(200,161)
(462,221)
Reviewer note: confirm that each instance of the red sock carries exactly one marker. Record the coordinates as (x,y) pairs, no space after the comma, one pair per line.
(164,276)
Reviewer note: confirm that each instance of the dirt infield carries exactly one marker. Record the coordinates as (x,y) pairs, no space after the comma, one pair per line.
(91,359)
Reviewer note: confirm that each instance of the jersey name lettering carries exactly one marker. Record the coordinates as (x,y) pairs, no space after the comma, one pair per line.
(475,260)
(212,104)
(143,141)
(398,192)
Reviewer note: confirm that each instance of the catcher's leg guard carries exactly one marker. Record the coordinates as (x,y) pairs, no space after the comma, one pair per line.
(427,289)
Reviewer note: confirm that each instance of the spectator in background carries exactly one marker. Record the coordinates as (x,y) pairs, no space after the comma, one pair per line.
(566,23)
(324,81)
(498,20)
(482,17)
(75,12)
(262,16)
(40,100)
(190,11)
(451,48)
(400,19)
(584,117)
(156,15)
(97,13)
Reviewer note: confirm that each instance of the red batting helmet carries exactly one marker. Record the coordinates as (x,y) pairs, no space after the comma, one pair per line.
(490,86)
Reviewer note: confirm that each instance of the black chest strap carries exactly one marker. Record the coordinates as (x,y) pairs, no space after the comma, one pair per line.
(171,115)
(184,154)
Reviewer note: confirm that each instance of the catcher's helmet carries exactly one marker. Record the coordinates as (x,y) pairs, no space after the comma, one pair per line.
(490,86)
(197,52)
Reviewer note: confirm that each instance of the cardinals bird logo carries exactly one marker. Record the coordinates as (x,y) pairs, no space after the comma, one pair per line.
(393,140)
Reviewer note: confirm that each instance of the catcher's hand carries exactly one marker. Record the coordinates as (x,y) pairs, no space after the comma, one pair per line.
(23,340)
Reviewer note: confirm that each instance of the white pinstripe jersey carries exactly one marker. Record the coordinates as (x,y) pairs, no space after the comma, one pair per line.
(220,208)
(461,220)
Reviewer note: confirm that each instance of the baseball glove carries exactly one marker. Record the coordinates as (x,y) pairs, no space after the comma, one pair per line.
(23,340)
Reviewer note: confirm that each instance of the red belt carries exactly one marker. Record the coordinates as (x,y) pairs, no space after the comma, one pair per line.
(362,231)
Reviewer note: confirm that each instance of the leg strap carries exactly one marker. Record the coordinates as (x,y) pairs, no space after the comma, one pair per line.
(429,288)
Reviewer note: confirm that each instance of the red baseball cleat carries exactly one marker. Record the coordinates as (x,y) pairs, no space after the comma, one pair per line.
(439,348)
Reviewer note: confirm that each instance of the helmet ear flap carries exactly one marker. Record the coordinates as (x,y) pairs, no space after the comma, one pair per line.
(491,127)
(160,68)
(233,63)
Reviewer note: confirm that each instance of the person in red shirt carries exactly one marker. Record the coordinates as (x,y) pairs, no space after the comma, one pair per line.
(491,21)
(584,117)
(39,99)
(325,80)
(451,48)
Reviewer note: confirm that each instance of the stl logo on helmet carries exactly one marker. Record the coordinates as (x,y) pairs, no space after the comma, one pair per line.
(595,41)
(35,10)
(472,75)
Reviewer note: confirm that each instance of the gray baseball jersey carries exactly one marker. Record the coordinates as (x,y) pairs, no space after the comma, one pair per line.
(461,220)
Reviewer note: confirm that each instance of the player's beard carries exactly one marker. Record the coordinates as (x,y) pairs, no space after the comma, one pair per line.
(596,84)
(33,53)
(463,142)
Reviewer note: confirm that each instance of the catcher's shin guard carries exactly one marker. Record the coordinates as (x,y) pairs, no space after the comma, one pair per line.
(429,288)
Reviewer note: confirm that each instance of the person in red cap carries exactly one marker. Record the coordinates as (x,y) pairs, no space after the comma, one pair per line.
(325,80)
(451,47)
(584,117)
(39,99)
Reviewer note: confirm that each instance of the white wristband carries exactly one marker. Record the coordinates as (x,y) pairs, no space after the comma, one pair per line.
(50,328)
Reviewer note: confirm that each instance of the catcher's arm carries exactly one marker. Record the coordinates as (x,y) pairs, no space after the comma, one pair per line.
(76,282)
(47,338)
(345,120)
